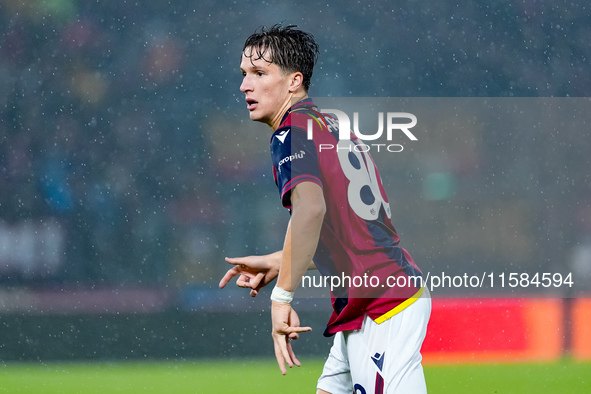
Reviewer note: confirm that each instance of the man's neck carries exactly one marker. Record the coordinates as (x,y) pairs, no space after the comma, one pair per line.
(293,100)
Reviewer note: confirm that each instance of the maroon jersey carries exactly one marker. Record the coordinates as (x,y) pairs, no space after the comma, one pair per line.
(357,240)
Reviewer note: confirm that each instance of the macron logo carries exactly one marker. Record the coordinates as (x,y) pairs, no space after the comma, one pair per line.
(378,359)
(281,136)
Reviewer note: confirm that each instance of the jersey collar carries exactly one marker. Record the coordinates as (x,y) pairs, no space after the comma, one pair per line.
(305,103)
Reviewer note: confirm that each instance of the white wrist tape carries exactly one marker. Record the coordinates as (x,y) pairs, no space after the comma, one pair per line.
(280,295)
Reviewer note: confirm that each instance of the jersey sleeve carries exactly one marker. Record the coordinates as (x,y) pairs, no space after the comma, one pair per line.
(295,160)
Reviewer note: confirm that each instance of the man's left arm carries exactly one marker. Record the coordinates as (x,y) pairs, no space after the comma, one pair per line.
(301,240)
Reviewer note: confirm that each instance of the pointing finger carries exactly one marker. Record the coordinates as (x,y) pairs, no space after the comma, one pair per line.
(279,357)
(234,260)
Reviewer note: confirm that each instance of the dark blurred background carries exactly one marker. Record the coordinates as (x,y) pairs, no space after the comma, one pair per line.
(129,167)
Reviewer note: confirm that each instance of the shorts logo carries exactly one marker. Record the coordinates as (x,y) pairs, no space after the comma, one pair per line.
(281,136)
(378,359)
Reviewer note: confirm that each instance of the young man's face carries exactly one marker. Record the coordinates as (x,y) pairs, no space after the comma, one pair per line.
(266,88)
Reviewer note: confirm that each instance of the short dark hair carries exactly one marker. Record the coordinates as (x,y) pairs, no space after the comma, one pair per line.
(290,48)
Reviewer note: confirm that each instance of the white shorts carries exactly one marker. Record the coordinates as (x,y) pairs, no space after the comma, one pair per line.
(380,358)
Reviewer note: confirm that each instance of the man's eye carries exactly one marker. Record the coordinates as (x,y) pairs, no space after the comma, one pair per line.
(259,73)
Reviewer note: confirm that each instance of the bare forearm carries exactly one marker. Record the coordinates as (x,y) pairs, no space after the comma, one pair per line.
(301,239)
(276,258)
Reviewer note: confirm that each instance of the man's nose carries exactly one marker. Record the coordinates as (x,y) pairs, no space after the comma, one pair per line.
(245,86)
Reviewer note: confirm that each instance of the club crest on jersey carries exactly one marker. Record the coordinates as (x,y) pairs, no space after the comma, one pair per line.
(282,135)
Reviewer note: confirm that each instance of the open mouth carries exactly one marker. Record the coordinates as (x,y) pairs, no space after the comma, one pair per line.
(251,104)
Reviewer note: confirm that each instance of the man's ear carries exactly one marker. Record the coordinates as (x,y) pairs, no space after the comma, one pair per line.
(296,82)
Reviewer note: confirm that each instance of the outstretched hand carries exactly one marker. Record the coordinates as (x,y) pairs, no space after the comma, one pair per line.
(254,272)
(286,326)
